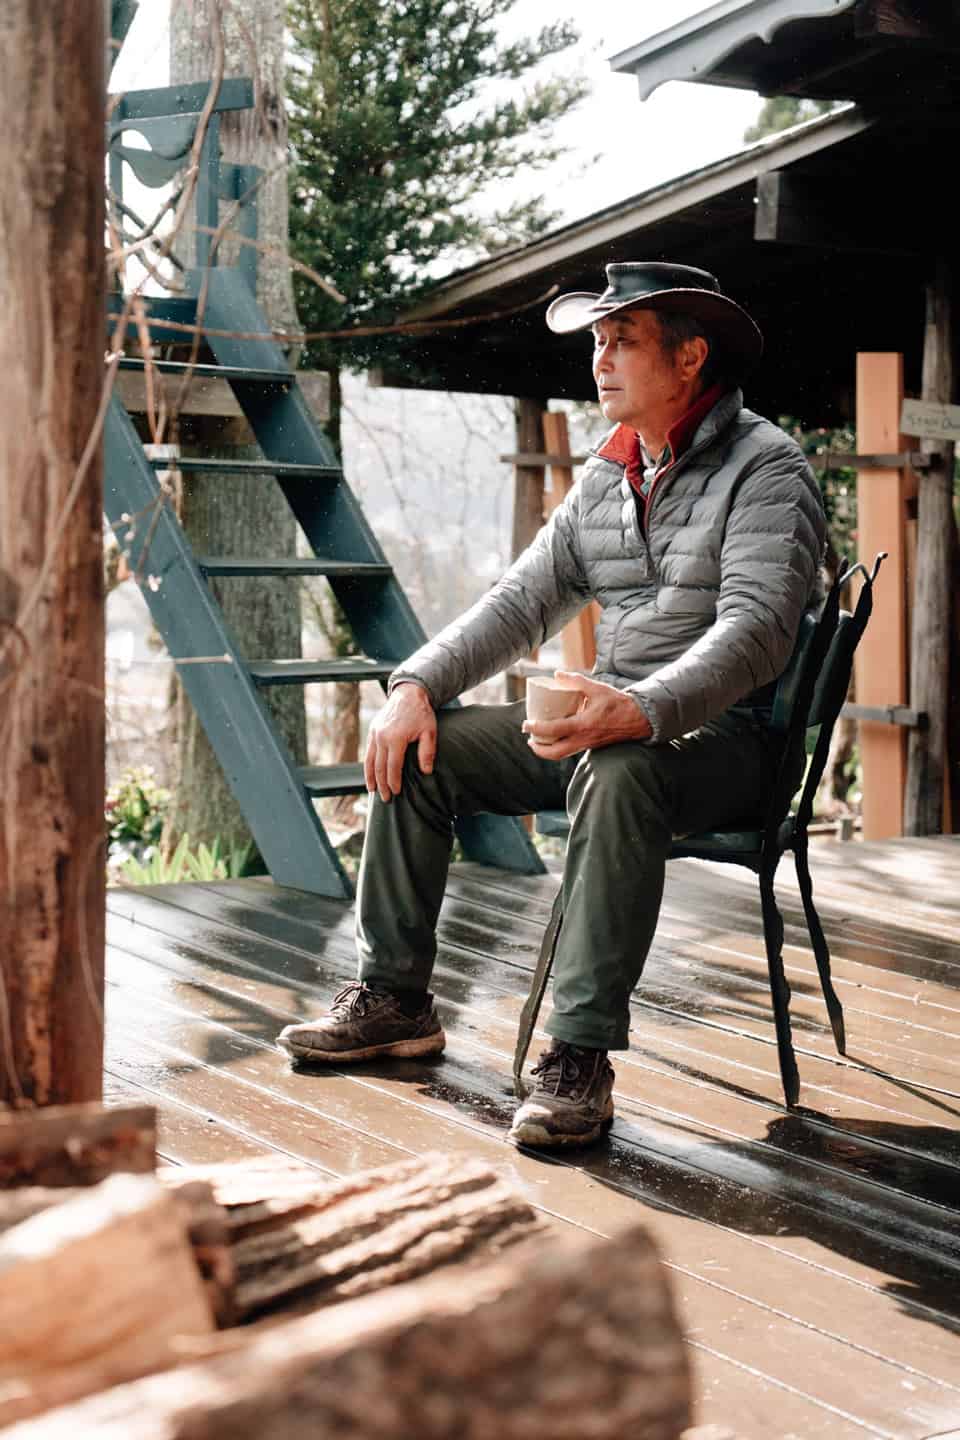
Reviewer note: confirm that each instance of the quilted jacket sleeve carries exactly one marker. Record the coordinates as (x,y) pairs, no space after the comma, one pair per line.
(769,574)
(543,589)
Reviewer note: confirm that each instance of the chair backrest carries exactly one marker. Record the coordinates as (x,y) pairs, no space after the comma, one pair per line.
(812,690)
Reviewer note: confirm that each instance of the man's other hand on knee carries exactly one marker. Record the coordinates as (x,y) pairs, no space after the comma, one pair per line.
(407,717)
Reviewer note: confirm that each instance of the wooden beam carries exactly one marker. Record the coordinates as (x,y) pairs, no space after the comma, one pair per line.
(885,714)
(801,210)
(906,20)
(577,641)
(527,496)
(908,460)
(542,458)
(930,635)
(51,552)
(881,658)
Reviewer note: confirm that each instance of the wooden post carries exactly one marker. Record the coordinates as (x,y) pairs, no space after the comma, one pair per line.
(527,496)
(52,330)
(576,639)
(933,598)
(881,660)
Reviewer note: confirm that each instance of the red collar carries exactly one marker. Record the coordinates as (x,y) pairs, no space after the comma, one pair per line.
(623,443)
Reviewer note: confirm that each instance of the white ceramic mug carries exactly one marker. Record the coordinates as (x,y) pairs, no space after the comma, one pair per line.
(549,700)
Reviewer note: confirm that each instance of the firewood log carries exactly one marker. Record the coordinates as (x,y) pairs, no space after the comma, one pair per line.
(204,1222)
(75,1144)
(298,1237)
(95,1291)
(580,1342)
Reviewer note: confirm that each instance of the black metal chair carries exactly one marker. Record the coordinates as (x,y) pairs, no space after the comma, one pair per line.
(811,692)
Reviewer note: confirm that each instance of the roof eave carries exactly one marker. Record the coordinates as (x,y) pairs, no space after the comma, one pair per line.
(692,49)
(609,225)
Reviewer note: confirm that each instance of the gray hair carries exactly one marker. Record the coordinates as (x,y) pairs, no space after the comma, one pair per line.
(677,327)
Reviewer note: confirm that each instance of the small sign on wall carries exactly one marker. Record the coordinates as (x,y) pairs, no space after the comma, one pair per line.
(930,421)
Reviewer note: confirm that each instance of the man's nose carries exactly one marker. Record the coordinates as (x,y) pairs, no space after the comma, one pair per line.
(602,358)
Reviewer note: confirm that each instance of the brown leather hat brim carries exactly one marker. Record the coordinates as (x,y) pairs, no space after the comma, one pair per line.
(730,324)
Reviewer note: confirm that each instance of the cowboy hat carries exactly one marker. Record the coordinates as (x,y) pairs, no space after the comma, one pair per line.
(653,285)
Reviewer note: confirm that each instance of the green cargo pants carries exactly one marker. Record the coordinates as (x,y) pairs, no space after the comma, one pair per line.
(625,803)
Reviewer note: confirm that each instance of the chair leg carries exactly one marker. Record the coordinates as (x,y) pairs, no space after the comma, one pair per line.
(820,949)
(779,989)
(531,1008)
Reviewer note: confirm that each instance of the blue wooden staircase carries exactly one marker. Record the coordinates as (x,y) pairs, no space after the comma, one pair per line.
(275,795)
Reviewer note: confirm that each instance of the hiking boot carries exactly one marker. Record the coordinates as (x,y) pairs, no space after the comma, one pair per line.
(364,1024)
(572,1100)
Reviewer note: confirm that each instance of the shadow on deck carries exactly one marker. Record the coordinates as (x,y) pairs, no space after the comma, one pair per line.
(815,1254)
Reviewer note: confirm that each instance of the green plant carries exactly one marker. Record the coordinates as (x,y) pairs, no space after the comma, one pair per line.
(838,483)
(134,812)
(207,863)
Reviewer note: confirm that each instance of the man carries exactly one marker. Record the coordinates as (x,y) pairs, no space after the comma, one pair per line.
(698,527)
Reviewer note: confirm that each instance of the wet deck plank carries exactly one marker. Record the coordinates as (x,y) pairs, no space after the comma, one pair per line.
(816,1255)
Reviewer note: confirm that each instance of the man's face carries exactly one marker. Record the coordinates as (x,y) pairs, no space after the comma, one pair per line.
(637,382)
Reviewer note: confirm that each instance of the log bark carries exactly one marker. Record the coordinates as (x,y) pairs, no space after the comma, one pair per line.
(927,753)
(115,1263)
(204,1221)
(581,1341)
(76,1144)
(51,569)
(298,1239)
(240,515)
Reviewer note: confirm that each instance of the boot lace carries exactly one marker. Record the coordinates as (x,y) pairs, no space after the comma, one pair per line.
(354,999)
(559,1069)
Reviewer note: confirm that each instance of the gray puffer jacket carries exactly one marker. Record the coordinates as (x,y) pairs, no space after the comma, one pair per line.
(697,615)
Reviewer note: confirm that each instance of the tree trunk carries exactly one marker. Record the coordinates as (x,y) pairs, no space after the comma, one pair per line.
(240,516)
(51,561)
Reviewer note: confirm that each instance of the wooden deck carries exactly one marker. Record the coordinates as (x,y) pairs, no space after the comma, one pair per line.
(815,1255)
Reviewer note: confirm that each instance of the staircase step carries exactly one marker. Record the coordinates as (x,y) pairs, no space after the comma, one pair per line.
(161,309)
(209,372)
(319,672)
(217,565)
(286,471)
(333,779)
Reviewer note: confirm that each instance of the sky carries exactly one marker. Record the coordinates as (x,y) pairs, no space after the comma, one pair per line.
(619,147)
(616,146)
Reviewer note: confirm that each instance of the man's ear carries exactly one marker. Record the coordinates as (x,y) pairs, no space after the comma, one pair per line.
(693,356)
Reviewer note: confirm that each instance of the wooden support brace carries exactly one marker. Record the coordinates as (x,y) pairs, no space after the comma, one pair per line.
(907,460)
(542,457)
(886,715)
